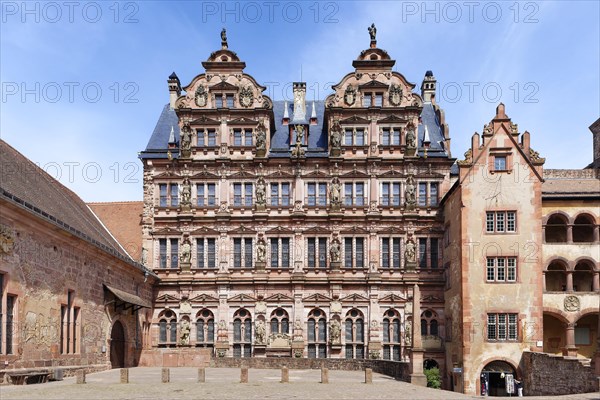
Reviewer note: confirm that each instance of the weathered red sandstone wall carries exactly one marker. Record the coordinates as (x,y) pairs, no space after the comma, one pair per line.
(550,375)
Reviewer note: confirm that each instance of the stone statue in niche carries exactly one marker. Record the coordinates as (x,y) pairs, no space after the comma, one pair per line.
(186,252)
(335,191)
(186,193)
(410,193)
(299,129)
(410,253)
(261,192)
(261,136)
(335,332)
(407,337)
(336,135)
(411,139)
(335,251)
(184,334)
(261,251)
(186,140)
(260,332)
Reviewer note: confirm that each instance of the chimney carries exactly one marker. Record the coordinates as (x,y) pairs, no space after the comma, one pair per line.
(286,114)
(299,101)
(172,143)
(174,89)
(428,87)
(525,142)
(313,115)
(475,146)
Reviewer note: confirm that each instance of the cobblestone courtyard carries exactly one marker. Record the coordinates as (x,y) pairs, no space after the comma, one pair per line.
(223,383)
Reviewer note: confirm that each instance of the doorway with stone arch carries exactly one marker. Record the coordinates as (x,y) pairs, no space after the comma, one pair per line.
(117,345)
(494,377)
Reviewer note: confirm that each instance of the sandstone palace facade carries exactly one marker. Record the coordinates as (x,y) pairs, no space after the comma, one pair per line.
(309,229)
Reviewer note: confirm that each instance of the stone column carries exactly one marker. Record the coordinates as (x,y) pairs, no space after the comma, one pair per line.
(543,281)
(324,375)
(166,375)
(201,375)
(597,357)
(596,282)
(124,375)
(244,375)
(417,377)
(569,281)
(285,375)
(570,350)
(597,234)
(570,233)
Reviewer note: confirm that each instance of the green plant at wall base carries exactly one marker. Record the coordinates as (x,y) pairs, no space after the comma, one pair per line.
(434,379)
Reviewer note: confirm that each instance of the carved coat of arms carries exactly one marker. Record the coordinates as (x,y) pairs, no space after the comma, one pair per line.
(201,96)
(350,95)
(246,96)
(395,95)
(572,303)
(6,240)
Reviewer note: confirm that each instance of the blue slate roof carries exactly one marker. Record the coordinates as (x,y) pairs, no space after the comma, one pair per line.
(280,141)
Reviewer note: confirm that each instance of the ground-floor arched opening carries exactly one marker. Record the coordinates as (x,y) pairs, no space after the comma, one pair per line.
(586,335)
(494,378)
(117,346)
(554,334)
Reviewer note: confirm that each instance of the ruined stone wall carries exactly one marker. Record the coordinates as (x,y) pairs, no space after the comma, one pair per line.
(549,375)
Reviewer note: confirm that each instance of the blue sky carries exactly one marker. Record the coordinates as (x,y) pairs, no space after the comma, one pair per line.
(83,83)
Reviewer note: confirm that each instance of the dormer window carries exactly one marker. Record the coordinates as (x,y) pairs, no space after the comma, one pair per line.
(378,99)
(367,100)
(229,100)
(500,163)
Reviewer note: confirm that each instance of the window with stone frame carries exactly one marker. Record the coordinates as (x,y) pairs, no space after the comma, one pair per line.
(206,137)
(242,194)
(69,333)
(242,137)
(242,253)
(168,253)
(390,194)
(206,194)
(168,195)
(280,322)
(502,327)
(428,195)
(429,252)
(501,269)
(429,323)
(280,251)
(316,194)
(167,328)
(317,256)
(316,334)
(242,333)
(354,136)
(500,221)
(354,252)
(391,335)
(280,194)
(390,250)
(354,328)
(205,328)
(390,136)
(206,253)
(354,194)
(7,318)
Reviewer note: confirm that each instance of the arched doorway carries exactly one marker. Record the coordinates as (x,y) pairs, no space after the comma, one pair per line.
(494,377)
(117,346)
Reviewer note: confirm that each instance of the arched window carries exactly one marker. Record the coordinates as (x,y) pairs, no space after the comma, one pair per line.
(355,334)
(242,333)
(167,328)
(317,334)
(280,322)
(556,277)
(391,335)
(583,277)
(429,323)
(205,328)
(583,229)
(556,229)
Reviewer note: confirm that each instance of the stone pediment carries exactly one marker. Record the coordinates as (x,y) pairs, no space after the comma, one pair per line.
(205,174)
(280,230)
(166,231)
(428,229)
(316,174)
(204,120)
(242,230)
(204,231)
(391,119)
(392,173)
(355,119)
(355,230)
(242,121)
(279,298)
(356,174)
(391,230)
(317,298)
(374,84)
(280,174)
(317,230)
(165,298)
(432,299)
(204,298)
(355,298)
(243,174)
(224,86)
(392,298)
(241,298)
(166,174)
